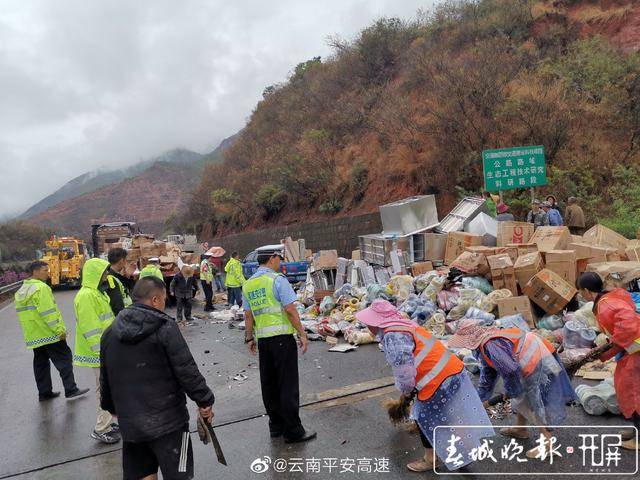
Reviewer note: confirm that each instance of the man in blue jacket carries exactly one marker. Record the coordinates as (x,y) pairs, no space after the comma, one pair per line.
(555,219)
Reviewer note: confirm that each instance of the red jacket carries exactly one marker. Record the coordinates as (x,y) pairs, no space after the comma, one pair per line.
(617,317)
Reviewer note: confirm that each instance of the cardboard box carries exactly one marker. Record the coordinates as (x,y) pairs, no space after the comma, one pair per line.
(481,249)
(514,232)
(601,236)
(524,248)
(511,251)
(435,245)
(421,267)
(515,305)
(527,266)
(325,259)
(457,242)
(356,255)
(551,238)
(471,262)
(616,274)
(141,239)
(549,291)
(633,251)
(564,263)
(502,272)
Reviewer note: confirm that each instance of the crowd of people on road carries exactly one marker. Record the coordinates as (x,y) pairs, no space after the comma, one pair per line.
(542,214)
(144,370)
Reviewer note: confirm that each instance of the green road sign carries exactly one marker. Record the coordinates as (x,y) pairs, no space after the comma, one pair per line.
(509,168)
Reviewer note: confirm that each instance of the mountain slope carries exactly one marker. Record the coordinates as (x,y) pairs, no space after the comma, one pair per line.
(148,198)
(154,194)
(408,107)
(91,181)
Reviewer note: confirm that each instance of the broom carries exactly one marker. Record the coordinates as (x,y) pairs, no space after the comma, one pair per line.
(400,408)
(573,366)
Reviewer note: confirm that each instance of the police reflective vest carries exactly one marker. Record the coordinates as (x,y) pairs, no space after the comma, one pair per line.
(151,271)
(528,348)
(235,277)
(113,281)
(206,271)
(38,314)
(93,314)
(433,361)
(269,316)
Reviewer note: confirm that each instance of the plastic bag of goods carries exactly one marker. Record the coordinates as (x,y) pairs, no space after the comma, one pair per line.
(490,302)
(436,323)
(328,303)
(422,281)
(476,313)
(513,321)
(447,299)
(585,315)
(577,335)
(550,322)
(469,297)
(423,312)
(431,292)
(480,283)
(375,291)
(359,337)
(343,290)
(401,286)
(471,363)
(410,304)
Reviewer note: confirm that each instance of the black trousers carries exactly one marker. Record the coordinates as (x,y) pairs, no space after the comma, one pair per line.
(234,295)
(183,304)
(278,358)
(60,354)
(208,295)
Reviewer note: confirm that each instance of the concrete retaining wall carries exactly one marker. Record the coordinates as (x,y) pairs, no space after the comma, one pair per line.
(340,234)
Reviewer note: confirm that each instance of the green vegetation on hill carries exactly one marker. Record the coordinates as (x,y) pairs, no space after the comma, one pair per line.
(19,241)
(408,107)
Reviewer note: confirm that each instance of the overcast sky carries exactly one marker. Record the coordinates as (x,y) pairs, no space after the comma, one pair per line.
(93,83)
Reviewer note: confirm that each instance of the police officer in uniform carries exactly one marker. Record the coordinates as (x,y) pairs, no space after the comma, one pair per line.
(270,314)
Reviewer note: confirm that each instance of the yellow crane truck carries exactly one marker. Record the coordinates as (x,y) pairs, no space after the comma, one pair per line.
(65,256)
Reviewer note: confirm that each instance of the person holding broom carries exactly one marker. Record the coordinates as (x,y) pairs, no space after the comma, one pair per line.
(532,373)
(428,373)
(616,314)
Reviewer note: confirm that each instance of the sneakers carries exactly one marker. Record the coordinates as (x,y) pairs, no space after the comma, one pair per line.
(108,437)
(48,396)
(76,393)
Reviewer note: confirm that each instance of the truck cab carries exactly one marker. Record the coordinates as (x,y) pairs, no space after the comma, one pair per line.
(294,271)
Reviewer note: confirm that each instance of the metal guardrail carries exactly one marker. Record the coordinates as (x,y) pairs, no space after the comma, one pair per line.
(10,288)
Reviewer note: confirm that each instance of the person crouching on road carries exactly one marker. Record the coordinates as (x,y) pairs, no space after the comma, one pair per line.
(147,371)
(616,314)
(234,280)
(533,375)
(45,333)
(184,287)
(269,306)
(423,366)
(93,316)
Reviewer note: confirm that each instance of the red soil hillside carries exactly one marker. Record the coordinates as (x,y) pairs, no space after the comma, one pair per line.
(148,198)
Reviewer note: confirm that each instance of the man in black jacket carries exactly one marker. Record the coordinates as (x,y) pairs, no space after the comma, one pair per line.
(184,287)
(146,368)
(118,286)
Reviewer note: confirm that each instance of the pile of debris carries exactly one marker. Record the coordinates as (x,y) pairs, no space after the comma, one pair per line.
(501,273)
(141,247)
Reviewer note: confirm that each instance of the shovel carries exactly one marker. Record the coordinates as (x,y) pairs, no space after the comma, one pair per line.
(206,434)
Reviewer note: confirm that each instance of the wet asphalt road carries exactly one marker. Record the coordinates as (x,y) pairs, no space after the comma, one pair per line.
(52,440)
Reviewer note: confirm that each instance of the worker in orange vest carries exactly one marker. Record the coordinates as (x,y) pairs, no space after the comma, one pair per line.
(425,368)
(618,319)
(533,375)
